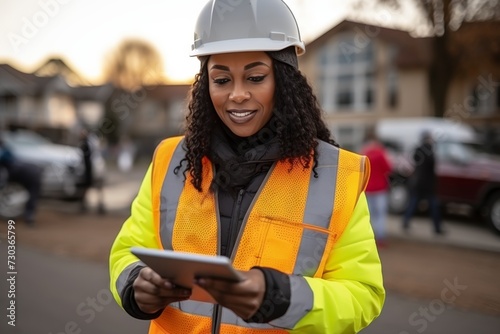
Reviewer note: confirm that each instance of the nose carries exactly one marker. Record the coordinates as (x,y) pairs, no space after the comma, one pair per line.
(239,93)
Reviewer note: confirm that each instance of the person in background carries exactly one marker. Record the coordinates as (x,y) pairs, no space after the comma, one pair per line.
(91,178)
(423,183)
(87,179)
(26,174)
(258,178)
(377,189)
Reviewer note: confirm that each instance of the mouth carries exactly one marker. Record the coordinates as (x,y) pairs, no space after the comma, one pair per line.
(241,116)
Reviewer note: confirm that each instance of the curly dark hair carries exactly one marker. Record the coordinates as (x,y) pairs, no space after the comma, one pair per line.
(297,119)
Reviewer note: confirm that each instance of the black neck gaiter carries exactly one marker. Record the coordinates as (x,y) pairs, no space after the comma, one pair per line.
(239,159)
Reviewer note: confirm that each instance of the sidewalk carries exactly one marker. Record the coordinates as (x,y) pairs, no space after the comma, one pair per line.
(461,232)
(120,188)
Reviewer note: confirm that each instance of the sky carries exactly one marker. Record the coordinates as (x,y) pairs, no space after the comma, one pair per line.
(84,32)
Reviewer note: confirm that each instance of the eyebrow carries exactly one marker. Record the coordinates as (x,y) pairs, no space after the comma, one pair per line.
(247,67)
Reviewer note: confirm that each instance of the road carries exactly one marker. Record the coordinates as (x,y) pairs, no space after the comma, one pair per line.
(434,285)
(58,294)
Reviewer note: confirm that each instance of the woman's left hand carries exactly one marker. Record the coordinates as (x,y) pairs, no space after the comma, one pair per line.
(243,298)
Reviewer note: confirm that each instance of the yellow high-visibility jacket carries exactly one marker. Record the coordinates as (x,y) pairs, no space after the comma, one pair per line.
(316,230)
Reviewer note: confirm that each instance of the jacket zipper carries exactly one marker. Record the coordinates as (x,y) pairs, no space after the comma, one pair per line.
(233,231)
(217,313)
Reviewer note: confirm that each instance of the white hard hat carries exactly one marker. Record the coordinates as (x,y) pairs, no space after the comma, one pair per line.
(225,26)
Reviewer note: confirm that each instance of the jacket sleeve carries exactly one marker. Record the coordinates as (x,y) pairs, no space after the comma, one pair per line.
(138,230)
(350,294)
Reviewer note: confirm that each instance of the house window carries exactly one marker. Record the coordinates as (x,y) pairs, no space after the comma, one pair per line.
(346,75)
(345,91)
(392,89)
(369,91)
(350,137)
(9,103)
(8,109)
(392,78)
(484,101)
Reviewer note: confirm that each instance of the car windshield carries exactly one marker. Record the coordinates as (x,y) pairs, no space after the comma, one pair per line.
(25,138)
(458,152)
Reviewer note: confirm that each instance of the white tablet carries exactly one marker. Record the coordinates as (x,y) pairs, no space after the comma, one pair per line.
(182,268)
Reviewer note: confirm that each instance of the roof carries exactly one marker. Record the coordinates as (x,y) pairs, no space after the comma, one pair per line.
(413,51)
(15,82)
(56,66)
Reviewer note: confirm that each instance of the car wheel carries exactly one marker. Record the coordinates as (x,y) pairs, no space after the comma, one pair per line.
(398,198)
(13,198)
(493,212)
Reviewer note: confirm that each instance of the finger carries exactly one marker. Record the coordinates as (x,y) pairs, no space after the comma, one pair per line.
(168,290)
(150,300)
(151,303)
(148,277)
(151,276)
(148,304)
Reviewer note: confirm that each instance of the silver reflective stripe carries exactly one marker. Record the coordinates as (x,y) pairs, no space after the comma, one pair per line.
(229,317)
(301,303)
(195,308)
(318,211)
(206,309)
(319,205)
(122,279)
(169,196)
(312,247)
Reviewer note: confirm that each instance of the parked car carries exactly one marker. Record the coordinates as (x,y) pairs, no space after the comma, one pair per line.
(62,165)
(466,176)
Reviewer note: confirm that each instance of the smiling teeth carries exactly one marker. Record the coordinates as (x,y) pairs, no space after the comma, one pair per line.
(241,114)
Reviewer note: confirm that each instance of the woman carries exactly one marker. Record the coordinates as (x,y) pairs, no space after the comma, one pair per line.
(256,178)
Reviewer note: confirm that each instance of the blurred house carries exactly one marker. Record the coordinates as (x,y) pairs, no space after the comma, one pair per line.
(362,73)
(33,101)
(56,102)
(148,115)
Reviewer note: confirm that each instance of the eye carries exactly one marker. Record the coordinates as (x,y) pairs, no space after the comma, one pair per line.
(257,78)
(221,81)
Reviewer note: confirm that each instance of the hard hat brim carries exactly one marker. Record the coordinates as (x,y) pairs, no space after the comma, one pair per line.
(245,45)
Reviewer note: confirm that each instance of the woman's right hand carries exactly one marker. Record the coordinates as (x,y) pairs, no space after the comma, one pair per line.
(153,293)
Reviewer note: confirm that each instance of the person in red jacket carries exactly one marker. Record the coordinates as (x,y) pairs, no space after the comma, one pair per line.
(378,186)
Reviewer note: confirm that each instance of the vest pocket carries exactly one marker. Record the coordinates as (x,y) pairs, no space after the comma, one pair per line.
(292,247)
(280,244)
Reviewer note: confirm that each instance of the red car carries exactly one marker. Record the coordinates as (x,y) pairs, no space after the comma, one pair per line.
(467,178)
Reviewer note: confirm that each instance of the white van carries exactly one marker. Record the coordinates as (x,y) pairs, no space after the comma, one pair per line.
(404,133)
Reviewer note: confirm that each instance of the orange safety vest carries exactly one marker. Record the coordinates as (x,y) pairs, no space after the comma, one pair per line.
(291,226)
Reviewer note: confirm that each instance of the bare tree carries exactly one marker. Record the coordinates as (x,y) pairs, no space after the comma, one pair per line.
(133,64)
(130,67)
(465,39)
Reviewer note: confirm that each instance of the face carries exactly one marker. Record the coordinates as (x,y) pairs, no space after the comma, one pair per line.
(242,90)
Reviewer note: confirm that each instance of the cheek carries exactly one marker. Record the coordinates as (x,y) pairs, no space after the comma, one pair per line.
(217,98)
(269,99)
